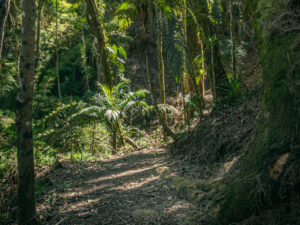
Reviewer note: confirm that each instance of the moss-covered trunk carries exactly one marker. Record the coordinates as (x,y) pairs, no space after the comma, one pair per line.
(277,136)
(4,10)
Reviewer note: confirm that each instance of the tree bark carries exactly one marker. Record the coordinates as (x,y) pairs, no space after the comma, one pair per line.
(91,150)
(114,138)
(185,75)
(57,55)
(233,57)
(218,70)
(277,132)
(97,33)
(38,33)
(84,62)
(4,10)
(212,76)
(26,195)
(161,69)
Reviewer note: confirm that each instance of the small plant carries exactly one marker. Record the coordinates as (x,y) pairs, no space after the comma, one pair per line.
(112,106)
(231,90)
(233,86)
(192,103)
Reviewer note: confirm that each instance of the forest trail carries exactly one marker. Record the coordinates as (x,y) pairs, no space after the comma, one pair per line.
(125,189)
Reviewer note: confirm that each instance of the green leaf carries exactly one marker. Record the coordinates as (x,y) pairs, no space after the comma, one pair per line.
(123,6)
(122,52)
(121,67)
(115,49)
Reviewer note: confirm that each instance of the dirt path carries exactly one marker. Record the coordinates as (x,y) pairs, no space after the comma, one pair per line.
(122,190)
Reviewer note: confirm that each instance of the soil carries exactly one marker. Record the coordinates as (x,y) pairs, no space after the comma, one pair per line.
(125,189)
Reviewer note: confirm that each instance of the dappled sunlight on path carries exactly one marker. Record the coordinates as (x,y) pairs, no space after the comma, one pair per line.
(123,190)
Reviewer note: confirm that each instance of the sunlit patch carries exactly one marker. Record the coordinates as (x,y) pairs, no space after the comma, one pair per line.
(137,184)
(123,174)
(226,167)
(277,167)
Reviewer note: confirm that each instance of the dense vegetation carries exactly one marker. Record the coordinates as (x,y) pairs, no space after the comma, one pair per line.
(83,80)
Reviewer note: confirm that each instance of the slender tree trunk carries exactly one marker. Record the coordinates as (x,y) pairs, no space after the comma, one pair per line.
(233,57)
(4,10)
(161,69)
(218,70)
(129,141)
(84,62)
(212,74)
(26,195)
(150,12)
(147,55)
(38,33)
(114,138)
(71,130)
(101,52)
(185,75)
(203,75)
(57,55)
(93,138)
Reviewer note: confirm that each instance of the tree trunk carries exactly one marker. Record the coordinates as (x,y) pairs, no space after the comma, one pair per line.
(217,70)
(161,69)
(26,195)
(97,33)
(185,76)
(233,57)
(277,133)
(4,10)
(84,62)
(114,138)
(203,75)
(212,76)
(129,141)
(57,55)
(71,129)
(91,150)
(38,33)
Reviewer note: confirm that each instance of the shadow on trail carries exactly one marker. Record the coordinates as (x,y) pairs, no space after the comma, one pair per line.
(124,190)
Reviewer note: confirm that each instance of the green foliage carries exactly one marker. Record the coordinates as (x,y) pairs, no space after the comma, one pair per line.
(112,106)
(193,104)
(233,86)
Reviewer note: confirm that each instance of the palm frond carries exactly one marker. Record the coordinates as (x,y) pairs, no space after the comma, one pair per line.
(102,100)
(104,90)
(141,93)
(92,111)
(121,87)
(112,115)
(166,108)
